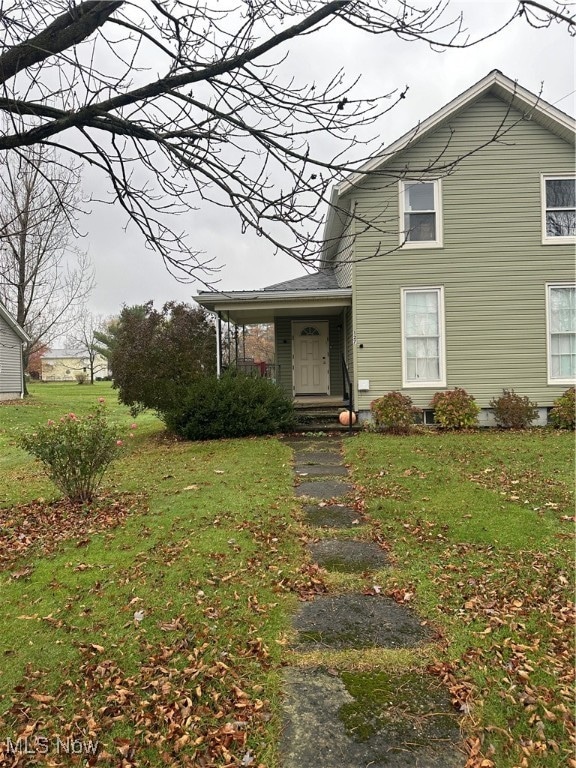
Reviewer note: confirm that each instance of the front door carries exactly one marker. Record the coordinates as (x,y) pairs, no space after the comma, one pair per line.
(310,358)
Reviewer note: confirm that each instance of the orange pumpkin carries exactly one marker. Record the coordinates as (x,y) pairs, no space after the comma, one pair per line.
(344,418)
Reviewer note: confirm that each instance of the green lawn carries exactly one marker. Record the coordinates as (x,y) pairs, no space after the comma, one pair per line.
(481,531)
(155,621)
(207,551)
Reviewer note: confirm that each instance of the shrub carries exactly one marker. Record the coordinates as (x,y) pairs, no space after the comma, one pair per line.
(455,409)
(75,451)
(562,414)
(513,411)
(81,378)
(394,412)
(235,405)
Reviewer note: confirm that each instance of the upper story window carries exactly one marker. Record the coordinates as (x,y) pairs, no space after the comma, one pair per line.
(558,209)
(420,214)
(561,301)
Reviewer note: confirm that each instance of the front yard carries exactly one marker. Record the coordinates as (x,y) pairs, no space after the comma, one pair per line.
(481,529)
(156,622)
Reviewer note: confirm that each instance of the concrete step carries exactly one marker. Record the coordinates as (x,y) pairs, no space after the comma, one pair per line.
(333,426)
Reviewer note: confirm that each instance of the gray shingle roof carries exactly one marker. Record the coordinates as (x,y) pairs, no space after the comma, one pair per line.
(325,280)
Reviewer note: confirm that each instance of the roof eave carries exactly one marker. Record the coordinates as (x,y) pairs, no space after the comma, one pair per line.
(18,330)
(502,86)
(268,297)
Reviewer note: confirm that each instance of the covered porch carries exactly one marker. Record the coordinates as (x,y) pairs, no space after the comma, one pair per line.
(312,334)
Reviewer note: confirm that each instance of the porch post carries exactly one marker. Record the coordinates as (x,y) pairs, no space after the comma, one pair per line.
(218,345)
(228,338)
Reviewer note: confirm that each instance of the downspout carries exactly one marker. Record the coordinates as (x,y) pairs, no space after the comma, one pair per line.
(218,345)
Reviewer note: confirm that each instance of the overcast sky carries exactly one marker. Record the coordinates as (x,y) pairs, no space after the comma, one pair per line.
(127,273)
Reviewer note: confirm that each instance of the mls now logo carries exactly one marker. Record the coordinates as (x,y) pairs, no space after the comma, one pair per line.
(41,745)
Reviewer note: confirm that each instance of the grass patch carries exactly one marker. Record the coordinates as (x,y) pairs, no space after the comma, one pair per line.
(158,636)
(156,621)
(480,528)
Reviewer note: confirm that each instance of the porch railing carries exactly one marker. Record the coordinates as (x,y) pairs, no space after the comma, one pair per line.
(269,371)
(348,395)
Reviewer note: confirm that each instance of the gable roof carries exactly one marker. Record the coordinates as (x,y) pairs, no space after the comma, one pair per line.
(11,322)
(496,83)
(58,354)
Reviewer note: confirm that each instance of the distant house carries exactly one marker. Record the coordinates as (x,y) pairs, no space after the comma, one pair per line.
(70,365)
(12,337)
(434,279)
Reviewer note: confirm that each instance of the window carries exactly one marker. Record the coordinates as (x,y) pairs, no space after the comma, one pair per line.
(423,337)
(561,334)
(558,209)
(420,214)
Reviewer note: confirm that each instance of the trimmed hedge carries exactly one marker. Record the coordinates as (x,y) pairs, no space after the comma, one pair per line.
(394,412)
(235,405)
(563,413)
(512,411)
(455,409)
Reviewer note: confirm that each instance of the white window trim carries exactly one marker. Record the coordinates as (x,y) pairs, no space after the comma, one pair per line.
(441,382)
(550,380)
(438,242)
(544,177)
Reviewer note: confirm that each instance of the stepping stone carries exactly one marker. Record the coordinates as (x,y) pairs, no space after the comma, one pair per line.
(332,445)
(332,516)
(324,489)
(319,470)
(317,457)
(371,719)
(348,556)
(357,621)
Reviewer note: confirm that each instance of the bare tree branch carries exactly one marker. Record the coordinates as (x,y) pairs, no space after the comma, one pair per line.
(186,101)
(44,279)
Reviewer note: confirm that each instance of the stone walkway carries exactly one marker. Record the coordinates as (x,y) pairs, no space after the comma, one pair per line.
(351,719)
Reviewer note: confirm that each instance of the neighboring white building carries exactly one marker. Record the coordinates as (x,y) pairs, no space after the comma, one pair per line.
(69,364)
(12,337)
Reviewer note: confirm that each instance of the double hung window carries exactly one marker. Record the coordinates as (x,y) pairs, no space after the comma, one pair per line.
(420,214)
(561,334)
(423,337)
(559,209)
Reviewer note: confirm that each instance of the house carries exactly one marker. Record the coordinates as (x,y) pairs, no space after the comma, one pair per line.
(71,365)
(12,338)
(448,262)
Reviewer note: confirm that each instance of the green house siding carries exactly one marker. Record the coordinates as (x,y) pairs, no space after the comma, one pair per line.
(344,256)
(283,344)
(348,341)
(283,341)
(492,266)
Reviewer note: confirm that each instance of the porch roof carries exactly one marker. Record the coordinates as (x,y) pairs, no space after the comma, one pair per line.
(313,295)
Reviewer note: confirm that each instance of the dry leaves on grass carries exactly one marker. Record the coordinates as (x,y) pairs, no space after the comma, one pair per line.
(40,526)
(519,605)
(186,705)
(528,487)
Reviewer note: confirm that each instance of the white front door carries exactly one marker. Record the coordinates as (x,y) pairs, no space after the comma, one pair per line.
(310,358)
